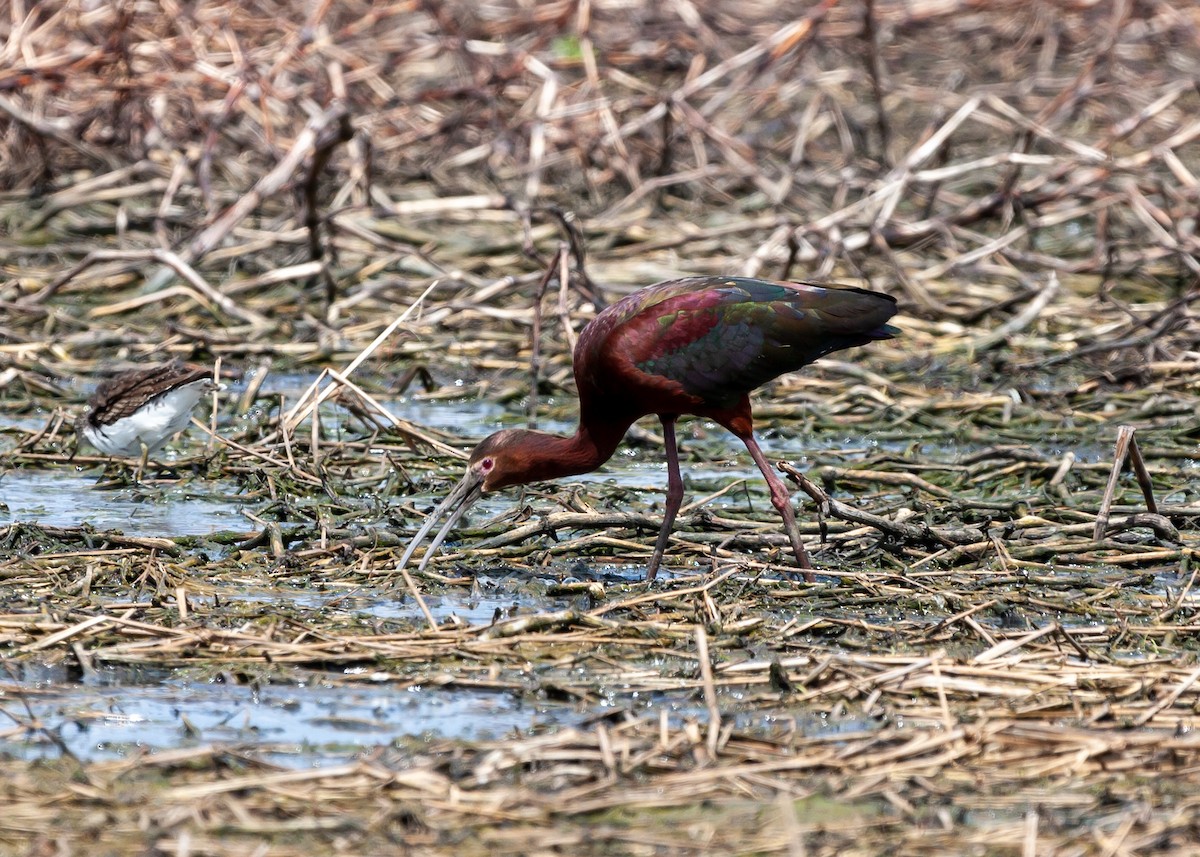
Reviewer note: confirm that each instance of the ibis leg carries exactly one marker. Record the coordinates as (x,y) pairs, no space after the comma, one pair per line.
(674,495)
(782,501)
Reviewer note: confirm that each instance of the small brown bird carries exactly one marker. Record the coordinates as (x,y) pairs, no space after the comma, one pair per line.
(136,412)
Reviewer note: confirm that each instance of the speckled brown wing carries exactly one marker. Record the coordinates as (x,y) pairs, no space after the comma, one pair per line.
(122,395)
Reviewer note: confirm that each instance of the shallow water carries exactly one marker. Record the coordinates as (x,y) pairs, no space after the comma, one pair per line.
(121,713)
(338,715)
(473,608)
(67,498)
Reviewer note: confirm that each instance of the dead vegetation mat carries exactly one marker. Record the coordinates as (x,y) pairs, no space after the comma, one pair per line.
(430,199)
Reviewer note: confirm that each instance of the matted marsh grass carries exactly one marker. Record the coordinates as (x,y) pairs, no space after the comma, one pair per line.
(1000,654)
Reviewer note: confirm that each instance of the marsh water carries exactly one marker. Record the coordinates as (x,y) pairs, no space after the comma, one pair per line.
(328,716)
(113,711)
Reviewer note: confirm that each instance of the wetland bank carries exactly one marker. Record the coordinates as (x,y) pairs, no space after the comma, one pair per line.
(431,200)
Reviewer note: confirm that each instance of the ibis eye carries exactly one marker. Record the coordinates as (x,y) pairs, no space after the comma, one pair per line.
(487,464)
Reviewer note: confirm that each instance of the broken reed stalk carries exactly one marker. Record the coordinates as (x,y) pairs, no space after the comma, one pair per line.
(877,70)
(564,312)
(710,693)
(1125,449)
(1023,319)
(535,336)
(315,394)
(415,592)
(909,533)
(338,131)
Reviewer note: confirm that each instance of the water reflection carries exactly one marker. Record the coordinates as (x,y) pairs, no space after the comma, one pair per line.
(305,724)
(66,498)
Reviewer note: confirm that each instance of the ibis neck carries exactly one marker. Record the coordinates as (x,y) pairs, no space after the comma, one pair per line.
(582,452)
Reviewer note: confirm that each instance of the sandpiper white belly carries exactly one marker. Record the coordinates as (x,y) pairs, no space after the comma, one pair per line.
(151,425)
(137,412)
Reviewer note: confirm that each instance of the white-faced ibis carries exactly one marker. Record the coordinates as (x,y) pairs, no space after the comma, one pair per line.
(691,346)
(136,412)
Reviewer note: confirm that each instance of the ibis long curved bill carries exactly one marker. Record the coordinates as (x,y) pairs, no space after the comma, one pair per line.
(462,498)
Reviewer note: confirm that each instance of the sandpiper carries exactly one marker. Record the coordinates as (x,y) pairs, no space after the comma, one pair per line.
(136,412)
